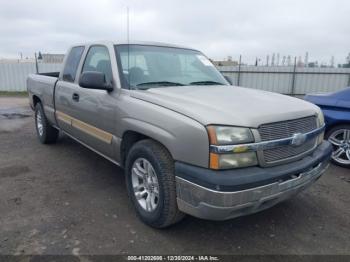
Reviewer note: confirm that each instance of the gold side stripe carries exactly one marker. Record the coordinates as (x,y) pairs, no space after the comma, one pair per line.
(63,117)
(93,131)
(86,128)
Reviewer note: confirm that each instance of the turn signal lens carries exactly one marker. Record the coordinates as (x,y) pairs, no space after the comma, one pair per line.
(214,161)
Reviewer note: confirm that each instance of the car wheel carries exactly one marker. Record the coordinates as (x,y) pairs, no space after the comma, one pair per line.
(151,184)
(46,133)
(339,137)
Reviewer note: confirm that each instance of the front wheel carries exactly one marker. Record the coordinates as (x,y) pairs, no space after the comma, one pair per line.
(151,184)
(339,137)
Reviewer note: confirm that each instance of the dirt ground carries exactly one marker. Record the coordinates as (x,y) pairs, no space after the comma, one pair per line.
(65,199)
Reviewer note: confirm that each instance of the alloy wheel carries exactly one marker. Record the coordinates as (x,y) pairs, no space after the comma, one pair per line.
(39,123)
(340,139)
(145,184)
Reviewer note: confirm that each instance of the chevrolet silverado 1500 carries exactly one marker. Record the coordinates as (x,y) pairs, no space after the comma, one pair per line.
(189,142)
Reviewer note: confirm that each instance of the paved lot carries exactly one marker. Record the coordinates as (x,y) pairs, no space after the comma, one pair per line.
(65,199)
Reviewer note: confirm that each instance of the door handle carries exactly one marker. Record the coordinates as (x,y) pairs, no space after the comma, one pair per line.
(75,97)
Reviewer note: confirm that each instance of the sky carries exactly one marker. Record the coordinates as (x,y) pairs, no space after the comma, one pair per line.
(251,28)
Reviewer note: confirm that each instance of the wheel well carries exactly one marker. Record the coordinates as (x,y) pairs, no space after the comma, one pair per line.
(128,140)
(36,100)
(329,127)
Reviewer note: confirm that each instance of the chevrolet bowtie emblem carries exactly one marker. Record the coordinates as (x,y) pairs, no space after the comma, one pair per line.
(298,139)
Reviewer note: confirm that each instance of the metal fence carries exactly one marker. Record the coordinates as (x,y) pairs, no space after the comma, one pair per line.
(281,79)
(13,75)
(289,79)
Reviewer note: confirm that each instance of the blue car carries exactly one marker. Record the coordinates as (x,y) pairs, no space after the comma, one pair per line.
(336,110)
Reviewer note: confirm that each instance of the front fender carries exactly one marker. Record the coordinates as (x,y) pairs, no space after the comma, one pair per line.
(186,139)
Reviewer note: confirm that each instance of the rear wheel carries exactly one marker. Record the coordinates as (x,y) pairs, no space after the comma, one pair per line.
(46,133)
(339,137)
(151,184)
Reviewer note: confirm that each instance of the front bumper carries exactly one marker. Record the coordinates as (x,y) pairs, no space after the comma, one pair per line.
(232,193)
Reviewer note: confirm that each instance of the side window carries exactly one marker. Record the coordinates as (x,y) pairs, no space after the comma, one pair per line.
(98,60)
(72,63)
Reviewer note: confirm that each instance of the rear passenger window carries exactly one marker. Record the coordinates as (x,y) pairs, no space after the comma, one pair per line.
(98,60)
(72,63)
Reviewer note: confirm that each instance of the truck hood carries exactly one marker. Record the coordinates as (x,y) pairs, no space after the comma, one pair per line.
(227,105)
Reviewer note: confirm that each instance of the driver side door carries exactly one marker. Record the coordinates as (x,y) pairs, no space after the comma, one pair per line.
(94,115)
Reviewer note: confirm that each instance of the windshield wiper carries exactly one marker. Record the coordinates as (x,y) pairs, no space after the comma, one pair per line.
(160,83)
(206,83)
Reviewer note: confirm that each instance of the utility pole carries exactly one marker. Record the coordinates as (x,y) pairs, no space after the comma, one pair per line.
(127,25)
(273,59)
(239,70)
(293,76)
(300,62)
(306,59)
(36,64)
(332,61)
(267,60)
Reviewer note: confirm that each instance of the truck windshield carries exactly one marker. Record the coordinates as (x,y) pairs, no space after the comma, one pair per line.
(145,66)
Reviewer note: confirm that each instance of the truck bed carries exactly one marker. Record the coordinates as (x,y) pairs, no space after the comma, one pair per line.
(52,74)
(42,86)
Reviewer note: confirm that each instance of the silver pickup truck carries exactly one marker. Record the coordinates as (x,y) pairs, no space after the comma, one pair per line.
(189,141)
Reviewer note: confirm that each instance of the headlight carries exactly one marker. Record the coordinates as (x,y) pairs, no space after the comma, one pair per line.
(236,160)
(320,119)
(227,135)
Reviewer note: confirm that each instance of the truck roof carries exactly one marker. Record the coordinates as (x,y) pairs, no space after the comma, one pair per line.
(106,42)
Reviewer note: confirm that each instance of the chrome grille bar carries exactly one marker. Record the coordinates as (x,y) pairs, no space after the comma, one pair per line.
(278,130)
(286,152)
(264,144)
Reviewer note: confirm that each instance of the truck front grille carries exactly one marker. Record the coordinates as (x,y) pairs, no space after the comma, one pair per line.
(276,154)
(286,129)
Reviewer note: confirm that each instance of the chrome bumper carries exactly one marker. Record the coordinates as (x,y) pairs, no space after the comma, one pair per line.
(206,203)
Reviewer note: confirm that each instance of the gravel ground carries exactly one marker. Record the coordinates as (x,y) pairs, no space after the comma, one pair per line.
(65,199)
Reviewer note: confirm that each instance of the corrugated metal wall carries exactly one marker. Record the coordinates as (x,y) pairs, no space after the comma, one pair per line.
(276,79)
(285,80)
(13,75)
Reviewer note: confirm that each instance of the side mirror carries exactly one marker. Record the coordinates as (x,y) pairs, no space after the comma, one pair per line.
(229,79)
(94,80)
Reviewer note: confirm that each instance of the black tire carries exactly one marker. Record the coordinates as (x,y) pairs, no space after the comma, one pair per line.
(49,134)
(329,133)
(166,213)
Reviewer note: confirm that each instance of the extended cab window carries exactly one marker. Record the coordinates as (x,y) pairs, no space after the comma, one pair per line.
(98,60)
(72,63)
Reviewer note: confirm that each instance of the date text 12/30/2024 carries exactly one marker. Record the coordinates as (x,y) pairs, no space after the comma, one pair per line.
(173,258)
